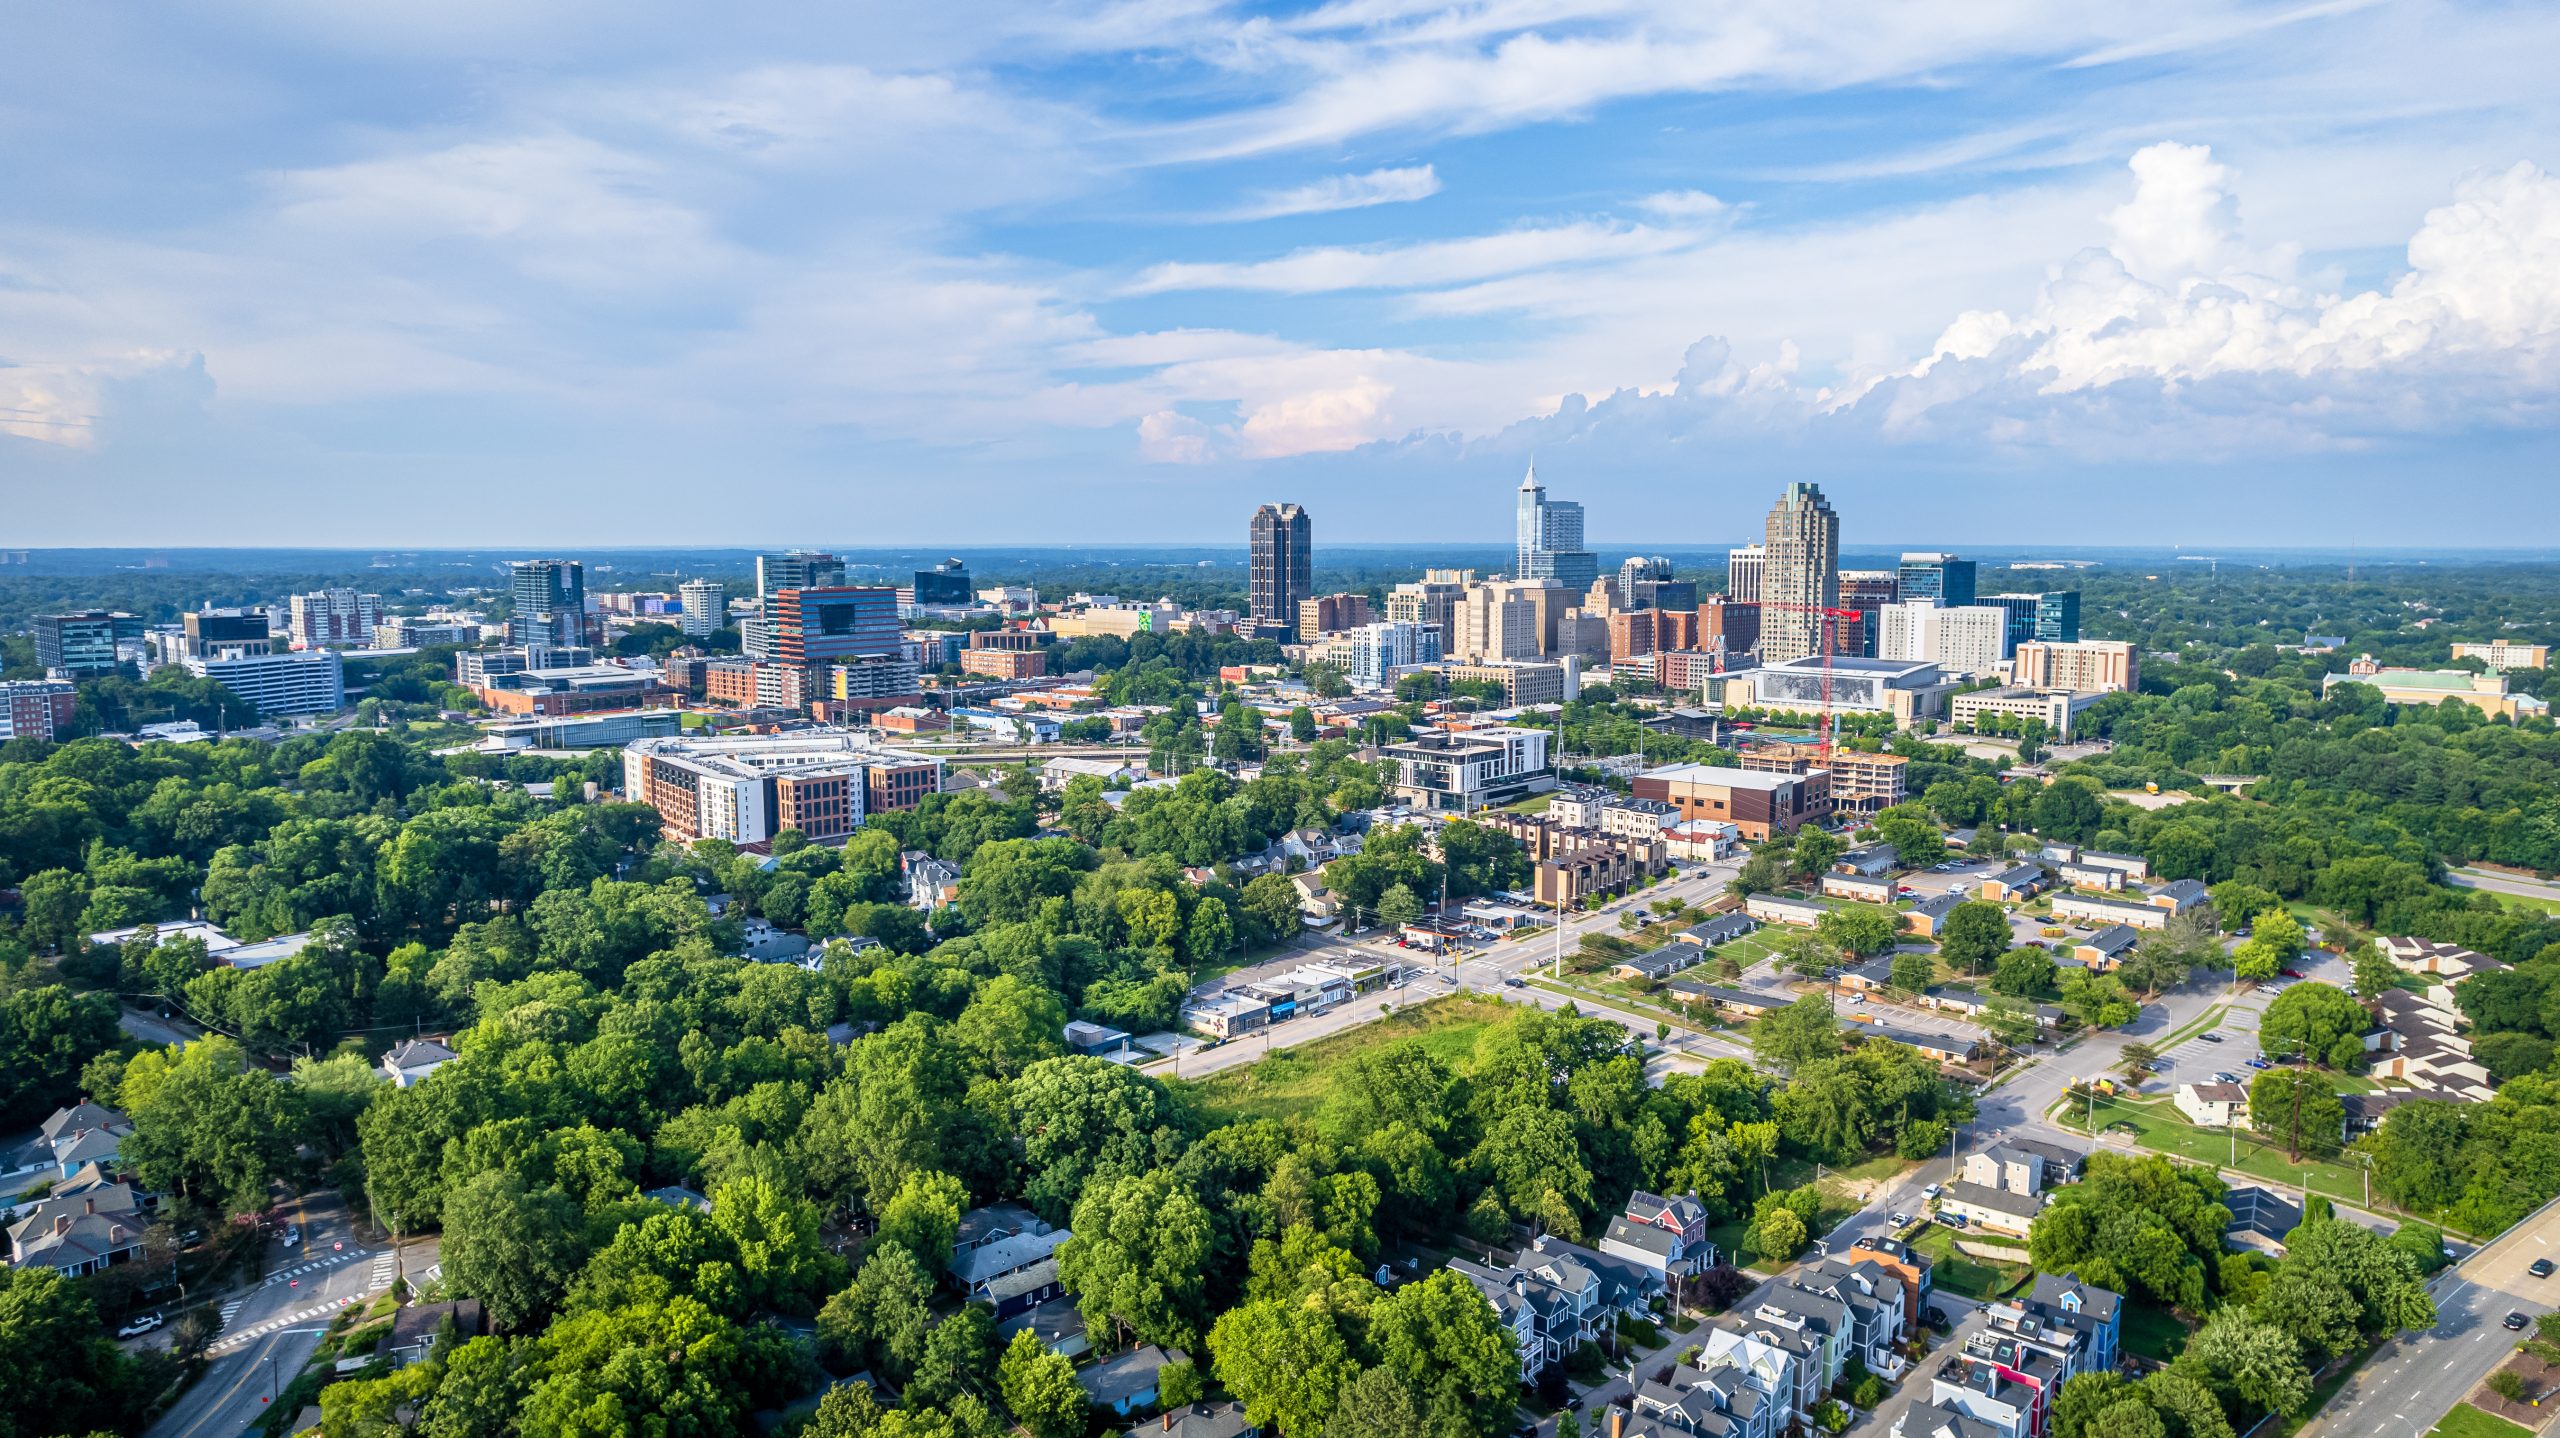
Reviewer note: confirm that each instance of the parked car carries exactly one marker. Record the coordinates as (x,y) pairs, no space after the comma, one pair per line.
(1901,1220)
(1932,1191)
(140,1326)
(2290,973)
(2211,1038)
(2226,1078)
(2260,1064)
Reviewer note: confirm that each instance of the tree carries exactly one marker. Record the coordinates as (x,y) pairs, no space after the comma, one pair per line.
(1776,1233)
(1039,1388)
(515,1250)
(1398,907)
(1138,1263)
(1455,1356)
(1914,972)
(2255,961)
(2141,1226)
(66,1376)
(881,1320)
(1796,1035)
(2297,1106)
(1379,1405)
(2319,1315)
(208,1126)
(924,1217)
(2246,1358)
(47,1035)
(2024,974)
(1860,930)
(845,1410)
(2314,1022)
(1081,1118)
(1271,906)
(1290,1363)
(775,1235)
(1532,1159)
(1974,934)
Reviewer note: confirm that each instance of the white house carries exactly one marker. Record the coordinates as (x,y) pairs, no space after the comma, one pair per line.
(411,1060)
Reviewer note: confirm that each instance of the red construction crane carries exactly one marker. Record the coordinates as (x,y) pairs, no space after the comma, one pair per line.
(1827,642)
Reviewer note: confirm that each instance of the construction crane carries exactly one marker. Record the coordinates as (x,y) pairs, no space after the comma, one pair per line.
(1826,644)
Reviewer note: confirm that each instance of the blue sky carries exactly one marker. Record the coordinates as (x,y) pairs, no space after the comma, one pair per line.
(286,271)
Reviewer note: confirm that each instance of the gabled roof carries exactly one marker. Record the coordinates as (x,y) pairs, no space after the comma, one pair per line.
(2112,940)
(1660,1242)
(81,1115)
(1937,906)
(417,1053)
(1124,1376)
(1005,1255)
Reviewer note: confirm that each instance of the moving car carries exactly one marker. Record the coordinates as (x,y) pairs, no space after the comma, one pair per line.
(2290,973)
(2514,1320)
(140,1326)
(1932,1191)
(1901,1220)
(1515,982)
(2540,1268)
(2210,1038)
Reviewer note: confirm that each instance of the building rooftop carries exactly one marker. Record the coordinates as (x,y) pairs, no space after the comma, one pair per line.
(1723,776)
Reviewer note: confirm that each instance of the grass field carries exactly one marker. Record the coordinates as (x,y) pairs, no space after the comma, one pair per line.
(2159,1127)
(2152,1331)
(1296,1081)
(2466,1421)
(1974,1278)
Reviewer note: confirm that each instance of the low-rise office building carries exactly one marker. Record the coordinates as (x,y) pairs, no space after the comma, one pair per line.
(2060,709)
(1756,804)
(2487,693)
(2506,654)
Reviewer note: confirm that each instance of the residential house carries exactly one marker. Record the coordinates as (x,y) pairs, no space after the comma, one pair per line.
(982,1226)
(2090,909)
(1905,1263)
(1875,861)
(1772,909)
(1720,930)
(82,1227)
(1873,976)
(1661,963)
(1929,915)
(1702,840)
(2450,962)
(1200,1420)
(930,882)
(1058,1325)
(2079,1325)
(1993,1208)
(2016,884)
(2006,1377)
(83,1134)
(2213,1105)
(2419,1043)
(1863,888)
(1009,1264)
(411,1060)
(1679,1399)
(1667,1235)
(1126,1382)
(2177,896)
(2261,1218)
(1784,1366)
(414,1328)
(1950,1049)
(2108,948)
(2024,1165)
(2366,1111)
(1731,1002)
(1022,1289)
(1543,1322)
(1871,1296)
(2089,876)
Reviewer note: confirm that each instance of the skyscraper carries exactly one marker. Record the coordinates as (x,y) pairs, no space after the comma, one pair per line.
(1941,577)
(1742,569)
(1867,591)
(1802,577)
(1550,539)
(706,606)
(551,602)
(796,569)
(1283,571)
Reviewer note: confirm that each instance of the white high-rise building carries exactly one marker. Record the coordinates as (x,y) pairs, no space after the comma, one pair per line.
(1374,651)
(1550,539)
(1742,570)
(335,619)
(706,606)
(1967,639)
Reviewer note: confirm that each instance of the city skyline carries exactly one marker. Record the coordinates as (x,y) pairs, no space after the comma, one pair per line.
(1109,278)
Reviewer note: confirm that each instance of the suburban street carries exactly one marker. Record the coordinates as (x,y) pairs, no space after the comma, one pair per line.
(2524,886)
(270,1331)
(2403,1390)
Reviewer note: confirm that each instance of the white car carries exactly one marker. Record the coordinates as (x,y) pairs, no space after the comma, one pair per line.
(293,1236)
(140,1326)
(1932,1191)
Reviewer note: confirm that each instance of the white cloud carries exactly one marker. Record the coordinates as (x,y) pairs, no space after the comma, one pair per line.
(1435,262)
(1684,205)
(1169,437)
(1342,192)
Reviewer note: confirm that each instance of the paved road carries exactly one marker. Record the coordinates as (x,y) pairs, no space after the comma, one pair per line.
(2522,885)
(148,1026)
(270,1331)
(2402,1391)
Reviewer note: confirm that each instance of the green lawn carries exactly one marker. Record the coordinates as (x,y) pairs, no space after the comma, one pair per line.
(1294,1082)
(2540,906)
(1973,1278)
(1534,804)
(2466,1421)
(2160,1128)
(2152,1332)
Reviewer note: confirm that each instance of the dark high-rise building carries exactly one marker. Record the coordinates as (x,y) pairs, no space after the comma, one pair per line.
(2052,617)
(1283,567)
(550,600)
(1679,594)
(1801,577)
(796,569)
(244,630)
(824,626)
(78,645)
(1941,577)
(1867,591)
(945,583)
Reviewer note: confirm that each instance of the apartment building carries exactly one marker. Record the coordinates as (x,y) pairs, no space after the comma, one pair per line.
(1331,614)
(2506,654)
(1971,639)
(1008,664)
(1470,769)
(2090,666)
(36,708)
(334,619)
(277,684)
(705,609)
(1757,804)
(748,788)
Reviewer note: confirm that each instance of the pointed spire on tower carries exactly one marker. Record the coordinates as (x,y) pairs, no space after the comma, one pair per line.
(1531,482)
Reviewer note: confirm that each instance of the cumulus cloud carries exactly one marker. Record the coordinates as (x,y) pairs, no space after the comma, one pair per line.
(64,404)
(1342,192)
(2175,297)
